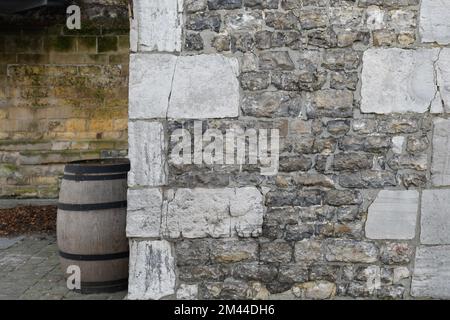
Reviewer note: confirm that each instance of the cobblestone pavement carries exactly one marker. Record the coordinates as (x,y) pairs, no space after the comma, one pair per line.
(29,269)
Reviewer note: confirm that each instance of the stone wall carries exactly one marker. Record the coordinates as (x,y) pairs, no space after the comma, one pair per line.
(63,94)
(359,92)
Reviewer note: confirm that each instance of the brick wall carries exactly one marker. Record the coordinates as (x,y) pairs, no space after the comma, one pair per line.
(63,94)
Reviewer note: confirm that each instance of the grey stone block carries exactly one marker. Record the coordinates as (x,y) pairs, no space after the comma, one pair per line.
(431,276)
(434,25)
(393,215)
(435,224)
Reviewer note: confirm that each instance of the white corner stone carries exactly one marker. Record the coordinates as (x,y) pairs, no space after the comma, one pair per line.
(158,24)
(435,218)
(440,170)
(198,213)
(205,86)
(185,87)
(431,277)
(151,77)
(434,22)
(144,213)
(398,80)
(152,270)
(393,215)
(147,154)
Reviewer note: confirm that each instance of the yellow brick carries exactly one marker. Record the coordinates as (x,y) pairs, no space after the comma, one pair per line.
(86,135)
(79,145)
(3,114)
(76,125)
(100,125)
(120,124)
(113,135)
(63,135)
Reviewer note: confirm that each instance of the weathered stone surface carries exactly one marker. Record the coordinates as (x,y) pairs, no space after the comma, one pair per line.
(205,86)
(231,250)
(187,292)
(197,213)
(431,272)
(352,161)
(351,251)
(435,219)
(185,87)
(152,270)
(151,78)
(195,5)
(146,154)
(440,171)
(276,251)
(434,22)
(315,290)
(396,253)
(270,104)
(393,215)
(161,32)
(397,80)
(293,273)
(308,250)
(144,213)
(254,271)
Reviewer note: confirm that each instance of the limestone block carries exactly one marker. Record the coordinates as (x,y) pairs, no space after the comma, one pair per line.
(198,213)
(185,87)
(147,154)
(443,81)
(158,25)
(150,85)
(393,215)
(435,224)
(144,213)
(152,270)
(398,80)
(431,275)
(205,86)
(434,22)
(440,171)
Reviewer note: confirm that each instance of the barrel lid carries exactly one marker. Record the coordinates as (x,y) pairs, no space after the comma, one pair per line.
(98,166)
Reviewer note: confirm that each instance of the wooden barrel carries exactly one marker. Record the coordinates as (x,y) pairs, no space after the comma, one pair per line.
(91,223)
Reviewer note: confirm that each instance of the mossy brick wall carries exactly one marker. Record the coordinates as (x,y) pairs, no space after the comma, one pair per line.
(63,94)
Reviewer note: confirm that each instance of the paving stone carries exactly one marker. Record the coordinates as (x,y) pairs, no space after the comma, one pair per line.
(431,276)
(393,215)
(26,280)
(435,218)
(434,24)
(5,243)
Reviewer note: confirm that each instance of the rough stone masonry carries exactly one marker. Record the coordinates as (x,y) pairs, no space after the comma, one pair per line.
(359,91)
